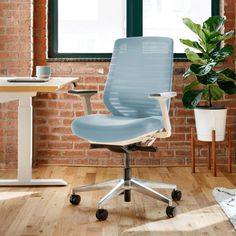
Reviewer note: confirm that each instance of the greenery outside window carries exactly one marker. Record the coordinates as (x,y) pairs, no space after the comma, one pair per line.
(86,29)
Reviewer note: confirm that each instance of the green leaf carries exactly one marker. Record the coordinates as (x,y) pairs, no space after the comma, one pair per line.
(191,86)
(187,73)
(192,44)
(201,70)
(208,78)
(221,37)
(214,23)
(211,48)
(214,91)
(196,28)
(228,87)
(227,35)
(223,53)
(194,57)
(228,73)
(210,35)
(224,78)
(191,98)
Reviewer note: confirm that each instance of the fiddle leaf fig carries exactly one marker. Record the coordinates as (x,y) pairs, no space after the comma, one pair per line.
(210,83)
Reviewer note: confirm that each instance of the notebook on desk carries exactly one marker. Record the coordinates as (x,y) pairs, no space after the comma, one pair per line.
(28,80)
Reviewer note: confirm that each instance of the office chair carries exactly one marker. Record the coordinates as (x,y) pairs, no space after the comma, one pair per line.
(137,94)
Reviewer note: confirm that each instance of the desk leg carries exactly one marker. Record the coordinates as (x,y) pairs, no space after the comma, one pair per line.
(24,176)
(25,139)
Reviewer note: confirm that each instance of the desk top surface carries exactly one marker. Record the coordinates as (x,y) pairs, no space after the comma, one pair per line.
(52,85)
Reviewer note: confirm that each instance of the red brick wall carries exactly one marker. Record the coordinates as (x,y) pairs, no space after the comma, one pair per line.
(53,113)
(15,37)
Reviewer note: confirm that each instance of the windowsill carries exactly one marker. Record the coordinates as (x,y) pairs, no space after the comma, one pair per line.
(78,59)
(97,60)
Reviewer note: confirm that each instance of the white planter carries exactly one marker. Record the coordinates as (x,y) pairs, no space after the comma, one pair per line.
(210,119)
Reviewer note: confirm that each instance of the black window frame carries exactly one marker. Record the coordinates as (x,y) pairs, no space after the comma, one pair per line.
(134,16)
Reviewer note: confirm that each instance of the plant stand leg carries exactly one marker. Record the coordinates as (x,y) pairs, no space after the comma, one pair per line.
(229,151)
(214,151)
(209,155)
(193,149)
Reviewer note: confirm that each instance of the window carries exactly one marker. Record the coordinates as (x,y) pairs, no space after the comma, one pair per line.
(164,18)
(99,25)
(87,29)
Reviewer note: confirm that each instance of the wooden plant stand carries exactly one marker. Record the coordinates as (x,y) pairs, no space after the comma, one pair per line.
(211,149)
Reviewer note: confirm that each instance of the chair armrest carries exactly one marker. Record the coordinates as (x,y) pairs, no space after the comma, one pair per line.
(162,98)
(82,92)
(85,97)
(164,94)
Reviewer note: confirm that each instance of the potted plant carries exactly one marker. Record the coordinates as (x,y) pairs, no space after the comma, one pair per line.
(208,80)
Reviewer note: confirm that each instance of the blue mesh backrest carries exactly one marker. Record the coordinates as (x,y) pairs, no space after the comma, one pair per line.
(139,66)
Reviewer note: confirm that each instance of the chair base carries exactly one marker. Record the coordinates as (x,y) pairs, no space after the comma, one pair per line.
(121,185)
(125,185)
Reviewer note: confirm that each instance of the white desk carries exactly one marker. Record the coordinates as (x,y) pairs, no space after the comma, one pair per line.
(24,93)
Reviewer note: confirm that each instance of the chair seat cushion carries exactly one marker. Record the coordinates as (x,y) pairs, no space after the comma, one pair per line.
(109,128)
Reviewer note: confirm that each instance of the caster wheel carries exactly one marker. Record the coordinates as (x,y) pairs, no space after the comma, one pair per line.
(101,214)
(75,199)
(171,211)
(176,195)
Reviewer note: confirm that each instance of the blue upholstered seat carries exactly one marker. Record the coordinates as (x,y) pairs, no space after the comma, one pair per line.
(110,128)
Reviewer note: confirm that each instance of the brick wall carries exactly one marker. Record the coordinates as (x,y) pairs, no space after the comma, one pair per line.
(53,113)
(15,37)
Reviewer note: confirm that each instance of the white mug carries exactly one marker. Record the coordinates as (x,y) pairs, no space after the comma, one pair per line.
(43,71)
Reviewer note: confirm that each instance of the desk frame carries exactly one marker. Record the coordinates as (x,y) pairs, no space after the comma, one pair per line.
(24,93)
(25,127)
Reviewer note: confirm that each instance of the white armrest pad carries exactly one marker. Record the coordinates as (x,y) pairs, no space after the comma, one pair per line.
(164,94)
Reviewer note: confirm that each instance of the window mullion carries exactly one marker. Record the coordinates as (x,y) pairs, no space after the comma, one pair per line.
(134,18)
(53,28)
(215,7)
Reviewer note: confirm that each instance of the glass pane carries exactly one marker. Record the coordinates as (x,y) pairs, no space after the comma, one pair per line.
(90,26)
(164,18)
